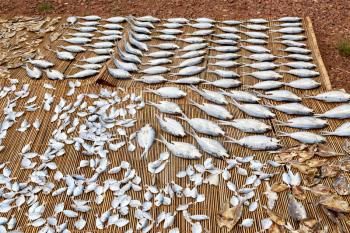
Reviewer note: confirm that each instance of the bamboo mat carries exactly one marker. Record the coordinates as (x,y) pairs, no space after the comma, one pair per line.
(215,195)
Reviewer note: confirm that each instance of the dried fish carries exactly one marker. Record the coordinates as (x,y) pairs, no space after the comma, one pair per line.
(171,126)
(229,217)
(304,123)
(254,110)
(145,138)
(181,149)
(257,142)
(168,92)
(204,126)
(248,125)
(213,110)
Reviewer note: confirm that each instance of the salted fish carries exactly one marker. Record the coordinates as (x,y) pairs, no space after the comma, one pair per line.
(145,138)
(254,110)
(248,125)
(168,92)
(293,109)
(213,110)
(204,126)
(307,122)
(339,112)
(342,131)
(331,97)
(166,107)
(257,142)
(212,96)
(171,126)
(304,137)
(181,149)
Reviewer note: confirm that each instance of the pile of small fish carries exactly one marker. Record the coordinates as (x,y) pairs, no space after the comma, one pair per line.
(208,62)
(20,38)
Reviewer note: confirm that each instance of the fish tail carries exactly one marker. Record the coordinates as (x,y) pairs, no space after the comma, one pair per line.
(327,133)
(192,102)
(150,103)
(233,102)
(144,154)
(282,134)
(148,90)
(307,96)
(162,139)
(279,122)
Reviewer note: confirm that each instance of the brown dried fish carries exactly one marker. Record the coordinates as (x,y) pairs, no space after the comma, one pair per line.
(311,180)
(316,162)
(344,164)
(309,225)
(296,209)
(54,36)
(284,157)
(320,190)
(329,170)
(304,169)
(305,155)
(341,185)
(326,151)
(275,229)
(298,193)
(275,217)
(228,217)
(279,187)
(335,203)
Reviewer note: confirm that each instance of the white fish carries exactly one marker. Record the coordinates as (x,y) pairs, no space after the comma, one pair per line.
(256,49)
(255,41)
(224,42)
(225,64)
(172,25)
(77,40)
(225,83)
(128,66)
(229,36)
(242,96)
(265,75)
(304,123)
(297,50)
(211,146)
(178,20)
(153,70)
(203,32)
(192,40)
(302,73)
(256,27)
(213,110)
(145,138)
(224,73)
(80,224)
(192,54)
(254,110)
(339,112)
(289,30)
(88,66)
(158,61)
(224,49)
(54,74)
(212,96)
(165,37)
(119,73)
(304,137)
(288,19)
(181,149)
(188,80)
(160,54)
(262,57)
(342,131)
(41,63)
(293,109)
(83,74)
(257,142)
(194,47)
(266,85)
(115,19)
(291,43)
(256,35)
(90,17)
(72,20)
(231,22)
(190,62)
(165,46)
(281,95)
(170,31)
(257,21)
(225,56)
(299,65)
(204,25)
(151,79)
(189,71)
(262,65)
(168,92)
(96,59)
(331,97)
(204,126)
(34,73)
(248,125)
(73,48)
(171,126)
(298,57)
(292,37)
(303,84)
(167,107)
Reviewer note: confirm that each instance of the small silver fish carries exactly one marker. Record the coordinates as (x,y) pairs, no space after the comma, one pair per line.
(254,110)
(257,142)
(213,110)
(181,149)
(168,92)
(248,125)
(145,138)
(167,107)
(331,97)
(304,137)
(342,131)
(171,126)
(339,112)
(304,123)
(293,109)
